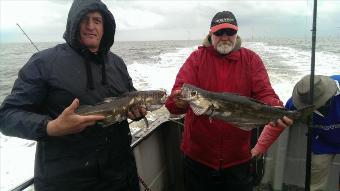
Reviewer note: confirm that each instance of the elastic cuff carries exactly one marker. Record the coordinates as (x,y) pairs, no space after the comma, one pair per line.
(42,131)
(260,149)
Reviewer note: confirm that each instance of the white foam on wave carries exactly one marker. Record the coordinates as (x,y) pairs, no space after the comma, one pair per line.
(17,161)
(297,63)
(327,63)
(287,66)
(161,73)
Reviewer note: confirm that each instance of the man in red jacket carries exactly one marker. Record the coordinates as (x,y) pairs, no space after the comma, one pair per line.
(216,154)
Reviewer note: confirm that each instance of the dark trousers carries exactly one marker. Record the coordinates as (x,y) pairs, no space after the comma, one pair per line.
(198,177)
(95,172)
(98,159)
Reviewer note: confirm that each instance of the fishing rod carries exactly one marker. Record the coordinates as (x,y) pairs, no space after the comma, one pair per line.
(310,129)
(28,37)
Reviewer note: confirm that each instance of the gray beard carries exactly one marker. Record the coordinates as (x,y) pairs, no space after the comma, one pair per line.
(224,48)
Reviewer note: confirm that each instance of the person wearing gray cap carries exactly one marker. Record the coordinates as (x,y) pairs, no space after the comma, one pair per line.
(217,155)
(326,123)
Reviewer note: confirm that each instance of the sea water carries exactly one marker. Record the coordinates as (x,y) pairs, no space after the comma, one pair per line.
(154,65)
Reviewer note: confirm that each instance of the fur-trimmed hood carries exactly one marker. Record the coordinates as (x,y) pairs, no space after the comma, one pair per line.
(207,42)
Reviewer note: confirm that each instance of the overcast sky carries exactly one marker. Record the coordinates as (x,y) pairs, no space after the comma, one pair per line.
(45,20)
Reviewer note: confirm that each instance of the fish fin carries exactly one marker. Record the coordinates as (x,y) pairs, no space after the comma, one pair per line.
(200,110)
(318,113)
(107,100)
(146,122)
(110,99)
(245,126)
(227,94)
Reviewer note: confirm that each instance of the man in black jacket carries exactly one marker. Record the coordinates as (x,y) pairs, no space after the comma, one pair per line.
(73,152)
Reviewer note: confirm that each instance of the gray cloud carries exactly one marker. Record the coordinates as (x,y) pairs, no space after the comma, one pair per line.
(190,19)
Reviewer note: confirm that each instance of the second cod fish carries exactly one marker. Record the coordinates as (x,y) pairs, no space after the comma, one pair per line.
(115,109)
(243,112)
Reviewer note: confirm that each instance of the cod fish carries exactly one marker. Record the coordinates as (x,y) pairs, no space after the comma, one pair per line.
(115,109)
(243,112)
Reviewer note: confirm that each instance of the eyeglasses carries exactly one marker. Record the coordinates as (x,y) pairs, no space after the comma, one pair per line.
(228,32)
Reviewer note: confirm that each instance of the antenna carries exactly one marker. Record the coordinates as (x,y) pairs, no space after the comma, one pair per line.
(28,37)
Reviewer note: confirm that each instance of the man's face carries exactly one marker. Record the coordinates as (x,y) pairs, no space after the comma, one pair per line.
(91,30)
(224,40)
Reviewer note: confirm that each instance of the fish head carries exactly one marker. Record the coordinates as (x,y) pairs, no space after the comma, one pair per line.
(155,99)
(189,93)
(199,104)
(158,96)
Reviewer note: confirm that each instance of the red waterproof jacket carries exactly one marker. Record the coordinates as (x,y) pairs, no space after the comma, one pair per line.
(213,142)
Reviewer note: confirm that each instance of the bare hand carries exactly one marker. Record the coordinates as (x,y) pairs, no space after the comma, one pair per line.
(284,122)
(68,122)
(137,113)
(255,153)
(179,102)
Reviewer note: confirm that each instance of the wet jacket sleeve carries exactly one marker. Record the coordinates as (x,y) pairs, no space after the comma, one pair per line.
(261,87)
(186,74)
(19,112)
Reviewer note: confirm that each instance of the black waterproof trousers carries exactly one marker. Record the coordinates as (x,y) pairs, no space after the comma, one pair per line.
(99,159)
(198,177)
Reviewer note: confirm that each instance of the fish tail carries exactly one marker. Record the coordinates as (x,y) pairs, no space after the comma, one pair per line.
(306,112)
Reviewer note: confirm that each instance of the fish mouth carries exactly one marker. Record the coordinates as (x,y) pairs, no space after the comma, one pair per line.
(164,98)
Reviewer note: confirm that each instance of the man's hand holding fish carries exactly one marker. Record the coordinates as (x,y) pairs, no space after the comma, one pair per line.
(136,113)
(68,122)
(180,103)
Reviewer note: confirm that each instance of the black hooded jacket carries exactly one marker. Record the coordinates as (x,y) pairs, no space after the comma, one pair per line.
(51,80)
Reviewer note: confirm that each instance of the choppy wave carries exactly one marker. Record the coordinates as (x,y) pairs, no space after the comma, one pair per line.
(154,65)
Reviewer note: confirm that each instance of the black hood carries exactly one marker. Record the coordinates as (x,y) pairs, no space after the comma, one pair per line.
(80,8)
